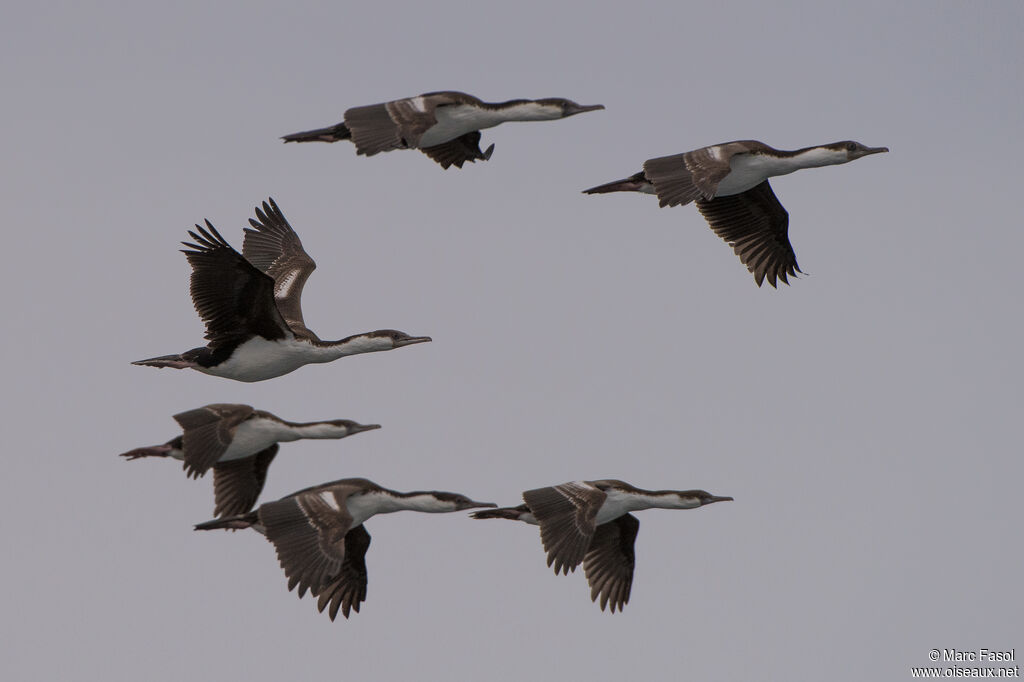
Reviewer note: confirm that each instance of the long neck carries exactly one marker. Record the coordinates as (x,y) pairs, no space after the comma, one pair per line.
(352,345)
(749,170)
(814,157)
(528,111)
(362,507)
(674,502)
(638,500)
(421,502)
(315,430)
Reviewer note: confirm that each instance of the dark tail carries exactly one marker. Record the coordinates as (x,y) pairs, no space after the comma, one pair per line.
(634,183)
(510,513)
(151,451)
(329,134)
(230,522)
(173,361)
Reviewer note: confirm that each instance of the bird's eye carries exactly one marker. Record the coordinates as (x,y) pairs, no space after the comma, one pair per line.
(851,146)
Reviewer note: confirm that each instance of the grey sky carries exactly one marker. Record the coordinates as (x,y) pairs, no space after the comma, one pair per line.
(866,419)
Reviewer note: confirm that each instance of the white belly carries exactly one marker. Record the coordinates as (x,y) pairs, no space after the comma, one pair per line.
(258,359)
(457,120)
(252,436)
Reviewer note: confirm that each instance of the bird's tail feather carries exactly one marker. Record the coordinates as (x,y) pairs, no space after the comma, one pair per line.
(173,361)
(634,183)
(329,134)
(151,451)
(229,522)
(511,513)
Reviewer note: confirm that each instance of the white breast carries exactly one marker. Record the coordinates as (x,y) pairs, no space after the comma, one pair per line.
(748,170)
(619,503)
(254,435)
(362,507)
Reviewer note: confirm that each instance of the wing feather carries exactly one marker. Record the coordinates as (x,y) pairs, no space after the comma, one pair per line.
(756,226)
(566,514)
(610,560)
(207,433)
(459,150)
(347,590)
(273,247)
(233,298)
(237,483)
(308,535)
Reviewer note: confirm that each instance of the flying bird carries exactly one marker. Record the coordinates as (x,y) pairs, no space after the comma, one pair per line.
(589,522)
(251,304)
(238,443)
(443,125)
(320,539)
(729,183)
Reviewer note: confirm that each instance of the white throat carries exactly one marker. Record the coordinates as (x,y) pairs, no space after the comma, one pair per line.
(354,346)
(319,430)
(530,111)
(423,503)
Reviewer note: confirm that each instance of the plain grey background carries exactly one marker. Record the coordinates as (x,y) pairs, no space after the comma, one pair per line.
(866,419)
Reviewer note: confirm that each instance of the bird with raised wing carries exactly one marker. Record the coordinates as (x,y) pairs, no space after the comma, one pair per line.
(251,303)
(589,522)
(320,539)
(238,442)
(443,125)
(729,183)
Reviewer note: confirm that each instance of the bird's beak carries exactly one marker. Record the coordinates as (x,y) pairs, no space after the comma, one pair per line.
(874,150)
(359,428)
(579,109)
(714,499)
(476,505)
(411,340)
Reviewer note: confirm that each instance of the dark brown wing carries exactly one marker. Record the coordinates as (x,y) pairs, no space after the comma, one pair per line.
(308,531)
(272,246)
(673,182)
(681,178)
(456,152)
(237,483)
(348,590)
(756,226)
(373,130)
(393,125)
(566,516)
(206,434)
(609,562)
(232,297)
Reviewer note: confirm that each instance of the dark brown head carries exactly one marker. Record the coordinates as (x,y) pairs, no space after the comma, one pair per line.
(436,501)
(350,427)
(854,150)
(691,499)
